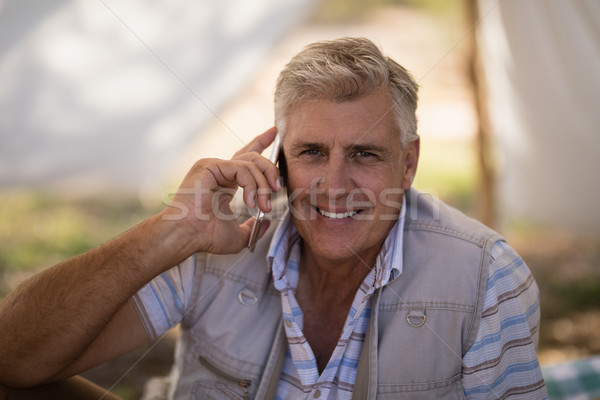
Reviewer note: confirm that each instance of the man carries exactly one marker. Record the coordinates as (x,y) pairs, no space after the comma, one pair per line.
(364,289)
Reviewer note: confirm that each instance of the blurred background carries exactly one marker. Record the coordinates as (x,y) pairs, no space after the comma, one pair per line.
(105,105)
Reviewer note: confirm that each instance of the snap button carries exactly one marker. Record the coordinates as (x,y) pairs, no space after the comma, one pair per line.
(247,297)
(416,318)
(316,394)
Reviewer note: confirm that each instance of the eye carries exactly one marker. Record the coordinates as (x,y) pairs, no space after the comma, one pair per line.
(311,153)
(364,154)
(365,157)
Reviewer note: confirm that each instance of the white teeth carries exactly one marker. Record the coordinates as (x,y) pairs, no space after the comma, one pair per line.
(337,215)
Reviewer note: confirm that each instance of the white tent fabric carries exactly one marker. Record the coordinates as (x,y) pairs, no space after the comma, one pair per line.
(106,95)
(542,61)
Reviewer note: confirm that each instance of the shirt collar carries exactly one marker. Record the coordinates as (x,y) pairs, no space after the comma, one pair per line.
(389,261)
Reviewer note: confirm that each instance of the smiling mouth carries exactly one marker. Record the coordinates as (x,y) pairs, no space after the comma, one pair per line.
(333,215)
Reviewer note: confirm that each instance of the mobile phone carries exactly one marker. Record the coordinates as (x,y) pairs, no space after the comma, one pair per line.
(260,215)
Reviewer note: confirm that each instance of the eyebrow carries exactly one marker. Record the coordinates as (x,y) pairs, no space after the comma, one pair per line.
(347,149)
(307,145)
(368,148)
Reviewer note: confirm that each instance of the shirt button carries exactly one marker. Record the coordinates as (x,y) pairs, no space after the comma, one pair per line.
(288,323)
(317,394)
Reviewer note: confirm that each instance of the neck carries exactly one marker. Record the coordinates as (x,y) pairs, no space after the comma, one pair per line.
(324,275)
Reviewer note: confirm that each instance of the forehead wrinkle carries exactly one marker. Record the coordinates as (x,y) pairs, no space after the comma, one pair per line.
(311,139)
(380,114)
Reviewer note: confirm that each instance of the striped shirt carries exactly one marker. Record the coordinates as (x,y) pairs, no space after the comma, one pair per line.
(502,361)
(300,377)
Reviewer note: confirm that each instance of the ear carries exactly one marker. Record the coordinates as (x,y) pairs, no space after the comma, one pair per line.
(410,156)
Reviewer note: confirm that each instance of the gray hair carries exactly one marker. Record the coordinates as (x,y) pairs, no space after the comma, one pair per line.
(343,70)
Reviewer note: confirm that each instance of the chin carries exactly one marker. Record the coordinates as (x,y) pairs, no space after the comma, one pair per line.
(339,248)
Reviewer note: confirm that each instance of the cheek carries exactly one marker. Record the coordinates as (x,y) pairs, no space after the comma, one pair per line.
(300,176)
(386,193)
(377,180)
(297,185)
(293,183)
(390,202)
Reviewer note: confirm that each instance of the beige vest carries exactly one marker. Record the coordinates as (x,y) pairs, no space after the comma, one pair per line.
(233,344)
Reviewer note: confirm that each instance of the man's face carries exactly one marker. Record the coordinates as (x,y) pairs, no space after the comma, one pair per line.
(346,174)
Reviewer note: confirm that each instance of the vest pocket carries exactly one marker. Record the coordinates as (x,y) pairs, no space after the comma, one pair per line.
(450,389)
(202,390)
(224,388)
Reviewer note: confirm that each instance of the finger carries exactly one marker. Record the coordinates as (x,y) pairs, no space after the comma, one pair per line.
(246,228)
(231,241)
(267,168)
(259,143)
(247,175)
(262,188)
(245,179)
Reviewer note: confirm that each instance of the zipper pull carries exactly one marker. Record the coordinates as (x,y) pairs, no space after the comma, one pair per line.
(245,384)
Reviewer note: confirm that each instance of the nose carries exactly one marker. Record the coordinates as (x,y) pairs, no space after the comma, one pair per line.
(336,178)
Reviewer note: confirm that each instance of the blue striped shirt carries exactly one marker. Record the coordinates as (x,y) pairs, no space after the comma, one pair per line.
(502,361)
(300,377)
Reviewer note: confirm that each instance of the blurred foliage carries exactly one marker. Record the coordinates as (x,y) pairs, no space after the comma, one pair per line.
(566,266)
(38,229)
(568,297)
(448,169)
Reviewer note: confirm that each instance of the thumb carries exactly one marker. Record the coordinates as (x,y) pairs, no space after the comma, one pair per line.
(247,227)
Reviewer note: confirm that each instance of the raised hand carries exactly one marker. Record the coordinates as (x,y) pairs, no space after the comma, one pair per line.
(202,204)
